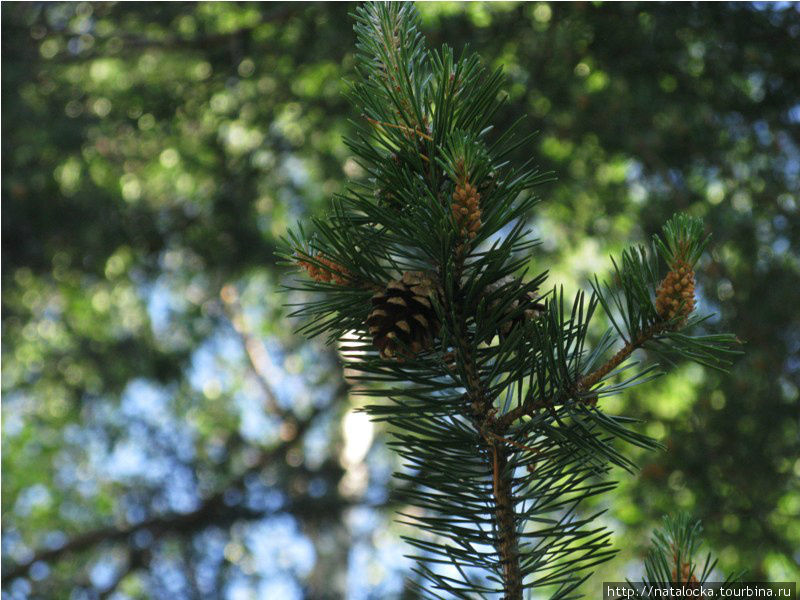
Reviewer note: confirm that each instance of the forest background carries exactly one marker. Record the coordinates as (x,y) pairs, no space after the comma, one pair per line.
(164,432)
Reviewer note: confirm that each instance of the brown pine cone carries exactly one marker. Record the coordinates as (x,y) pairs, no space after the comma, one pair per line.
(402,321)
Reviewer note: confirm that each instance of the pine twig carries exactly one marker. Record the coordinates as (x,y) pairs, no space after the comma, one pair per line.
(585,383)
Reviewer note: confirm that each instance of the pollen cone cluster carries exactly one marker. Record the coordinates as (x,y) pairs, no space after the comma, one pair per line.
(466,210)
(403,322)
(675,294)
(329,273)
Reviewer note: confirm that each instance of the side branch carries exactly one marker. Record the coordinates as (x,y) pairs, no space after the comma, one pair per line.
(585,383)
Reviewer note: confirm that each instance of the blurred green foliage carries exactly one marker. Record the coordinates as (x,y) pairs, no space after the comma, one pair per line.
(153,393)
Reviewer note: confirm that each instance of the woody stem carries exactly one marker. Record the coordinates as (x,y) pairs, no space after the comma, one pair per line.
(586,382)
(481,412)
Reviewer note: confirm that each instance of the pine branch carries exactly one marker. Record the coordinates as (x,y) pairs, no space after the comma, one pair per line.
(584,384)
(489,389)
(647,312)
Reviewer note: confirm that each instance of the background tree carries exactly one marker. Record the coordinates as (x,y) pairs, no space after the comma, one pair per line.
(153,154)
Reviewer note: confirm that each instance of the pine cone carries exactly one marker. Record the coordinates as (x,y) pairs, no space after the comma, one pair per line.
(675,294)
(529,301)
(466,210)
(402,321)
